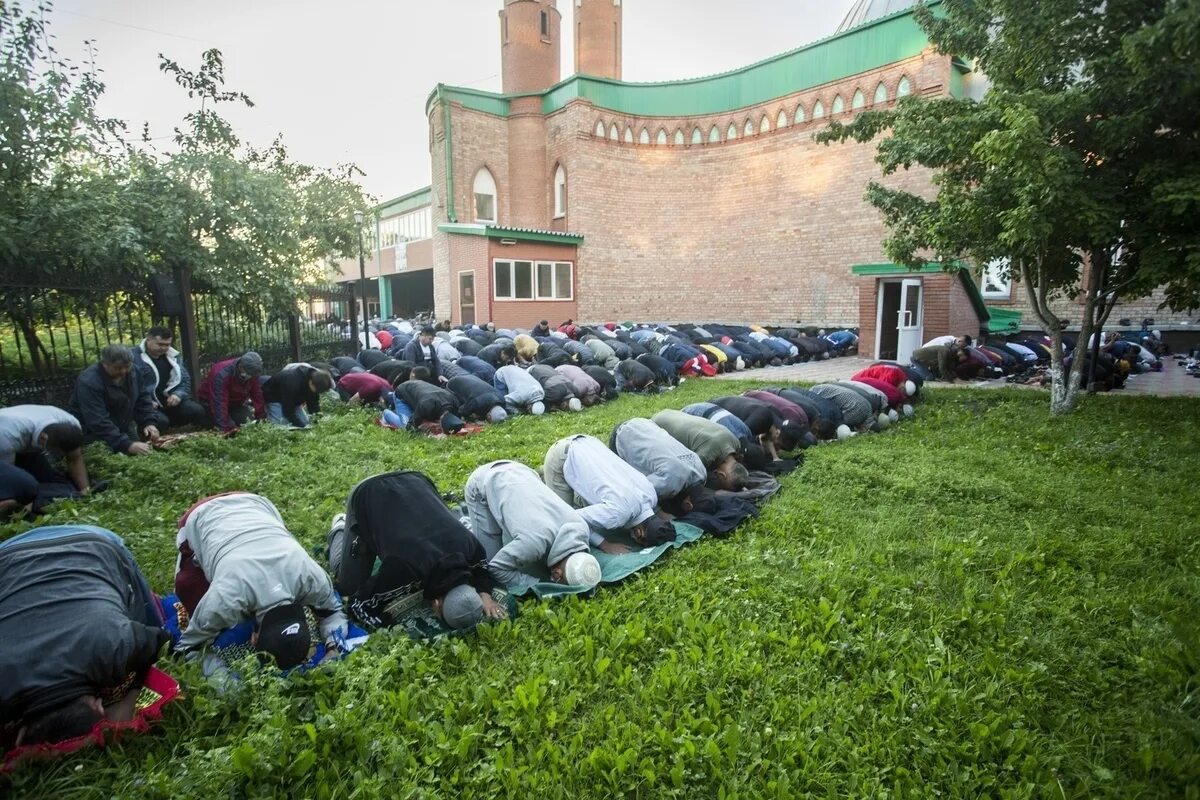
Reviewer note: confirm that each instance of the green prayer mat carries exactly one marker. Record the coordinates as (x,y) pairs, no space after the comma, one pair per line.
(613,568)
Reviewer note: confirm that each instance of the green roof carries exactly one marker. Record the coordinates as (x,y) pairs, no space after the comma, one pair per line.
(519,234)
(963,272)
(1003,320)
(876,44)
(405,202)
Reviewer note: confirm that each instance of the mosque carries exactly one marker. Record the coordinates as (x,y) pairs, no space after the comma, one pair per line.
(596,199)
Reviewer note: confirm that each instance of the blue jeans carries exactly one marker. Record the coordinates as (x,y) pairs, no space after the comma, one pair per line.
(275,415)
(17,484)
(153,613)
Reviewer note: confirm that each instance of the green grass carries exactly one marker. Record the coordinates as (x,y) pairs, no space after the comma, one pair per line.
(981,602)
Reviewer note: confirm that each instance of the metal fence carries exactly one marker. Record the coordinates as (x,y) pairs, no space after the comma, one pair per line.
(49,333)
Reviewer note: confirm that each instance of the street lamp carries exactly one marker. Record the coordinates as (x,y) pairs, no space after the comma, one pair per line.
(362,281)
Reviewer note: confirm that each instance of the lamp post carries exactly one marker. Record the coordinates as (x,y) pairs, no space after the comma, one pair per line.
(362,281)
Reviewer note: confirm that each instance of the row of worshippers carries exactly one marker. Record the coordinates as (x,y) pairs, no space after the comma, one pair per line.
(236,559)
(1026,359)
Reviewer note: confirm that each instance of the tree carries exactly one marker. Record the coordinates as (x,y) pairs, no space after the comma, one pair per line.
(1062,165)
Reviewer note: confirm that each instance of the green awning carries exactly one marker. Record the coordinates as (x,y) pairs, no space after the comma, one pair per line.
(1003,320)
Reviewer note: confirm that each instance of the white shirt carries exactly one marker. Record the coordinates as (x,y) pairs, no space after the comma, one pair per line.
(617,495)
(22,426)
(947,339)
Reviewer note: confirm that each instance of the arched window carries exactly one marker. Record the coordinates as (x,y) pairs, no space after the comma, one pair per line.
(732,133)
(781,121)
(614,133)
(485,196)
(904,87)
(880,93)
(714,136)
(839,105)
(560,192)
(799,114)
(697,136)
(661,139)
(644,138)
(764,124)
(600,128)
(679,137)
(859,101)
(748,128)
(818,110)
(628,135)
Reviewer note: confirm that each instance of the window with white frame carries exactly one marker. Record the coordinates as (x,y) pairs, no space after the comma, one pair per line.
(997,280)
(485,196)
(532,280)
(560,192)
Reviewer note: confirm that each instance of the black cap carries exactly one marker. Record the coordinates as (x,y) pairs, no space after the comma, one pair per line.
(659,531)
(283,635)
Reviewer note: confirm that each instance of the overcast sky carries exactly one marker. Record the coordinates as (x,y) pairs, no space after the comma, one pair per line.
(348,81)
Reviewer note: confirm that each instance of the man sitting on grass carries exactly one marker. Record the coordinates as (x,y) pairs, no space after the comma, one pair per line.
(112,406)
(80,629)
(238,561)
(610,494)
(232,392)
(523,525)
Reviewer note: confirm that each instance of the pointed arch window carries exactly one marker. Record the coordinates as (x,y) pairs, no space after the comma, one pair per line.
(661,139)
(560,192)
(714,136)
(880,94)
(839,105)
(697,136)
(628,135)
(818,110)
(859,100)
(732,133)
(614,133)
(764,124)
(485,196)
(748,128)
(903,88)
(799,114)
(599,129)
(679,137)
(644,138)
(782,120)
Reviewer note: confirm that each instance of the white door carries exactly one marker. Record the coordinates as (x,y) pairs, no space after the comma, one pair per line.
(911,324)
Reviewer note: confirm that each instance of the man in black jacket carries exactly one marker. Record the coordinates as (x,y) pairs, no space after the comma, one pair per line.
(80,629)
(293,393)
(112,405)
(633,376)
(477,399)
(430,403)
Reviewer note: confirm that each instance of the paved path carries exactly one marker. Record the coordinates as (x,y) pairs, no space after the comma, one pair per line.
(1173,381)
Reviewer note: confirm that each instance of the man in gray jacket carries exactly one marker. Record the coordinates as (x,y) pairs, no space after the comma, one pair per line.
(237,560)
(522,524)
(80,629)
(673,470)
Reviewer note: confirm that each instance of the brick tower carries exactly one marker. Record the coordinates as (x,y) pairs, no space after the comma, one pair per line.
(530,56)
(598,38)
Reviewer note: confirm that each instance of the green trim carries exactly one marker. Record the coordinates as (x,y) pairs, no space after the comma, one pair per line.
(1003,320)
(405,202)
(871,270)
(968,282)
(451,212)
(869,46)
(519,234)
(899,270)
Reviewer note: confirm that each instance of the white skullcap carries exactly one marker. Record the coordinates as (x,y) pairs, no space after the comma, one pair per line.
(907,409)
(537,408)
(582,569)
(844,432)
(884,421)
(497,414)
(574,404)
(910,388)
(892,415)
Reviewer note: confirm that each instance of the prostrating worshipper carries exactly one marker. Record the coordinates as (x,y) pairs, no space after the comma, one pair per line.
(579,352)
(363,388)
(32,438)
(294,393)
(344,365)
(527,348)
(767,425)
(430,403)
(717,447)
(80,629)
(796,429)
(610,494)
(877,400)
(477,400)
(891,374)
(729,422)
(498,354)
(856,411)
(665,372)
(633,376)
(674,471)
(524,526)
(843,342)
(369,357)
(895,396)
(824,417)
(607,381)
(605,356)
(393,370)
(478,367)
(552,355)
(939,361)
(586,388)
(422,351)
(112,406)
(466,345)
(238,561)
(522,392)
(399,518)
(558,389)
(170,385)
(232,392)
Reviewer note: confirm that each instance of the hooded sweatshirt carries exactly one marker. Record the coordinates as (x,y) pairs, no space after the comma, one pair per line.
(670,467)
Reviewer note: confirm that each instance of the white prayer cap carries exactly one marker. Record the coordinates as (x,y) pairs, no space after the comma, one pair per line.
(497,414)
(537,408)
(908,410)
(884,421)
(844,432)
(582,569)
(910,388)
(574,404)
(892,415)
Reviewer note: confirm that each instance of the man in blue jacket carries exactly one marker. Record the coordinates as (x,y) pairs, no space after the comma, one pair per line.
(113,406)
(166,378)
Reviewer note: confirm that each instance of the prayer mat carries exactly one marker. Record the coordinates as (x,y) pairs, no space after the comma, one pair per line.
(233,644)
(411,612)
(760,486)
(158,690)
(435,431)
(170,440)
(614,568)
(728,514)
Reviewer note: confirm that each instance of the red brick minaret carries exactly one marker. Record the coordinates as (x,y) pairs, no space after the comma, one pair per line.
(530,54)
(598,38)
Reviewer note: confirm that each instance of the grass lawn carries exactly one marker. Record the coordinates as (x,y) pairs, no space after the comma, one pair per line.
(981,601)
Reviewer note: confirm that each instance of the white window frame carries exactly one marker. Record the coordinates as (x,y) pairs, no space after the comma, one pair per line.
(535,266)
(990,278)
(494,194)
(560,192)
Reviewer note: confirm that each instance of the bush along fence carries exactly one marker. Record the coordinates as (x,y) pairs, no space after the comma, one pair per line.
(49,332)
